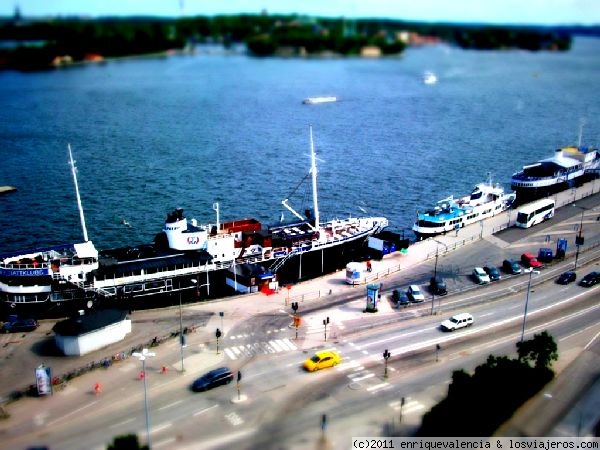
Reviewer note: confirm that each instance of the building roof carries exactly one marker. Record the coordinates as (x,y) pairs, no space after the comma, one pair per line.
(89,322)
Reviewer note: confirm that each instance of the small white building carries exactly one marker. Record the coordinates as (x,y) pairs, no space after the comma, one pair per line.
(356,273)
(88,332)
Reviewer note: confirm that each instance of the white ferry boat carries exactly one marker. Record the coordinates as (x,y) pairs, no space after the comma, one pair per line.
(321,99)
(485,201)
(568,167)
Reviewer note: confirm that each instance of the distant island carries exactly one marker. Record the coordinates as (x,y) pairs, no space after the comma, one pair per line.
(34,44)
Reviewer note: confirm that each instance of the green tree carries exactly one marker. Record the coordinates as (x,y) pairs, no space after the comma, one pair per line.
(477,404)
(127,442)
(542,350)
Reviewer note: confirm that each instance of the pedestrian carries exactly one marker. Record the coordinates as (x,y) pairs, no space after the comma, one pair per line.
(164,370)
(97,388)
(141,375)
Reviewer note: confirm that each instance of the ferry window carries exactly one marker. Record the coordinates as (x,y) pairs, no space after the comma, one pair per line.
(133,288)
(154,285)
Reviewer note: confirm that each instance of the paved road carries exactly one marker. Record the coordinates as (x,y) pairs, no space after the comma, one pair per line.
(268,315)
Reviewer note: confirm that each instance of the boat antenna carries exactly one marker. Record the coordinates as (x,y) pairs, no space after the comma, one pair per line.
(313,170)
(216,208)
(81,217)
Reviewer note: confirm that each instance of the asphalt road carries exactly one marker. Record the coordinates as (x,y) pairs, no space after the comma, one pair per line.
(283,404)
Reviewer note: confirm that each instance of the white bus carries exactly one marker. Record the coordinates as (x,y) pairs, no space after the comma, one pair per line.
(535,213)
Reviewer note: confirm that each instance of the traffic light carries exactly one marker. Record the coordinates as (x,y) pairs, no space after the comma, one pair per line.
(295,306)
(218,333)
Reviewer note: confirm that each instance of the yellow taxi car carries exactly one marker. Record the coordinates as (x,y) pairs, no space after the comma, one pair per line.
(322,360)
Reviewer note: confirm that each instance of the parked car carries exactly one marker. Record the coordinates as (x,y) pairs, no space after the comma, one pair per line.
(414,294)
(590,279)
(214,378)
(480,276)
(19,325)
(493,273)
(400,298)
(457,321)
(511,267)
(528,260)
(438,285)
(322,360)
(566,277)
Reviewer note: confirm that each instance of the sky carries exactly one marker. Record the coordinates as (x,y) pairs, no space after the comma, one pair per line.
(534,12)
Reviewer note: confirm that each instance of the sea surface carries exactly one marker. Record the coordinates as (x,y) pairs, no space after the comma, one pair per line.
(153,134)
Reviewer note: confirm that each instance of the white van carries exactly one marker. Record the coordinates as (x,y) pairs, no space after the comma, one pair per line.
(457,321)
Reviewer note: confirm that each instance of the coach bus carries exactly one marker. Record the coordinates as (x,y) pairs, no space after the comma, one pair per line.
(534,213)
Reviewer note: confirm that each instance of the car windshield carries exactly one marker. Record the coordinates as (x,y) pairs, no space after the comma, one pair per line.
(315,359)
(453,320)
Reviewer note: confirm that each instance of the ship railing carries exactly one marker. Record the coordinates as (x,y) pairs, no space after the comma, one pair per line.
(27,266)
(532,178)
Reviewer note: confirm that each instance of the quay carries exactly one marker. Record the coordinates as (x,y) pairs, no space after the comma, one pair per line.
(20,354)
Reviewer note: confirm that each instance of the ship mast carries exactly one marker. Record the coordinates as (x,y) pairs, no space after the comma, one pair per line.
(81,217)
(313,170)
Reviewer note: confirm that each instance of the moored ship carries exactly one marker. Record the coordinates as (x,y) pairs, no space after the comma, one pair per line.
(569,167)
(485,201)
(206,260)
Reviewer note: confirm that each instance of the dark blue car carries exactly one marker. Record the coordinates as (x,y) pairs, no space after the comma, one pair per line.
(566,277)
(590,279)
(214,378)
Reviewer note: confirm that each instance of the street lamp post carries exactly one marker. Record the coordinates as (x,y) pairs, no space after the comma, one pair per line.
(181,337)
(531,271)
(579,237)
(437,248)
(145,354)
(437,253)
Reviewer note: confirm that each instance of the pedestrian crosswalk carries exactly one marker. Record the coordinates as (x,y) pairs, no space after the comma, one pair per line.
(257,348)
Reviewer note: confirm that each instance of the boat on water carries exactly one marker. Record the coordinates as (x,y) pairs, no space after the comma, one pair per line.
(203,261)
(569,167)
(429,77)
(485,201)
(320,99)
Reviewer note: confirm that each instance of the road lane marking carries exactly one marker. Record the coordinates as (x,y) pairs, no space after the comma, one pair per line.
(72,412)
(164,442)
(230,353)
(160,427)
(120,424)
(202,411)
(377,387)
(170,405)
(275,345)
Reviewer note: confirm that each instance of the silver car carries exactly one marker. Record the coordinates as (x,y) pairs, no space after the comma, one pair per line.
(414,294)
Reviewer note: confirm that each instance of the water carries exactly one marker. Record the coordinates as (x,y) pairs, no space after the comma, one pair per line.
(150,135)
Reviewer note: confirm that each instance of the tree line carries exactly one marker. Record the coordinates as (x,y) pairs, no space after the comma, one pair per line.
(41,41)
